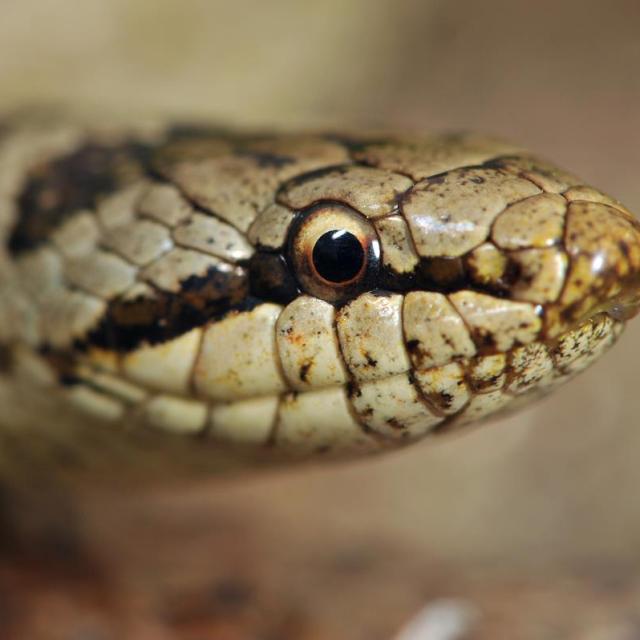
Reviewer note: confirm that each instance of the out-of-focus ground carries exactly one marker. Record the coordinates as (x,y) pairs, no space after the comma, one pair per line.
(534,522)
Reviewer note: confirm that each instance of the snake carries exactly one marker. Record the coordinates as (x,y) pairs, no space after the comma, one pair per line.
(184,295)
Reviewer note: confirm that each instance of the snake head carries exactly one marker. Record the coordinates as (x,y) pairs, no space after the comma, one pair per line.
(316,294)
(474,277)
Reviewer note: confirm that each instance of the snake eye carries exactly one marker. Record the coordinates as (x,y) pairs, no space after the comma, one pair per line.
(338,256)
(335,252)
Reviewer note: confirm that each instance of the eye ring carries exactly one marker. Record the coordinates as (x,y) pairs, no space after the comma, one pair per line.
(334,251)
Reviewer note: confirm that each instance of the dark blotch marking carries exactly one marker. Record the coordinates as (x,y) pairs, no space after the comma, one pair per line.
(511,276)
(394,423)
(572,312)
(372,362)
(271,279)
(413,346)
(418,352)
(62,363)
(56,189)
(304,371)
(483,384)
(353,390)
(443,400)
(624,249)
(129,323)
(485,341)
(69,380)
(398,282)
(442,274)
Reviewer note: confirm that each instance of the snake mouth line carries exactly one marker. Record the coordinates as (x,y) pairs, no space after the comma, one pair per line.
(378,414)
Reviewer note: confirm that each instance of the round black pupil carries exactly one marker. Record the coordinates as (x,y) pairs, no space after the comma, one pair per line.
(338,256)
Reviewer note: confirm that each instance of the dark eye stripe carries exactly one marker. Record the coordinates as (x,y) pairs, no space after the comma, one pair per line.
(201,299)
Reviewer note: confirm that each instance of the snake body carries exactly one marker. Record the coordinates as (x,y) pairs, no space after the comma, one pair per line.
(298,294)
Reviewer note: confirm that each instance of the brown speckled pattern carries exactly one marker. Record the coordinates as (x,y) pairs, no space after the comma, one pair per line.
(150,281)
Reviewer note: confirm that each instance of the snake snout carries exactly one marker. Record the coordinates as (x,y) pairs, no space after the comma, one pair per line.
(602,242)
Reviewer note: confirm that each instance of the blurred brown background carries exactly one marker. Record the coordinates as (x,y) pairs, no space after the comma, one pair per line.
(548,496)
